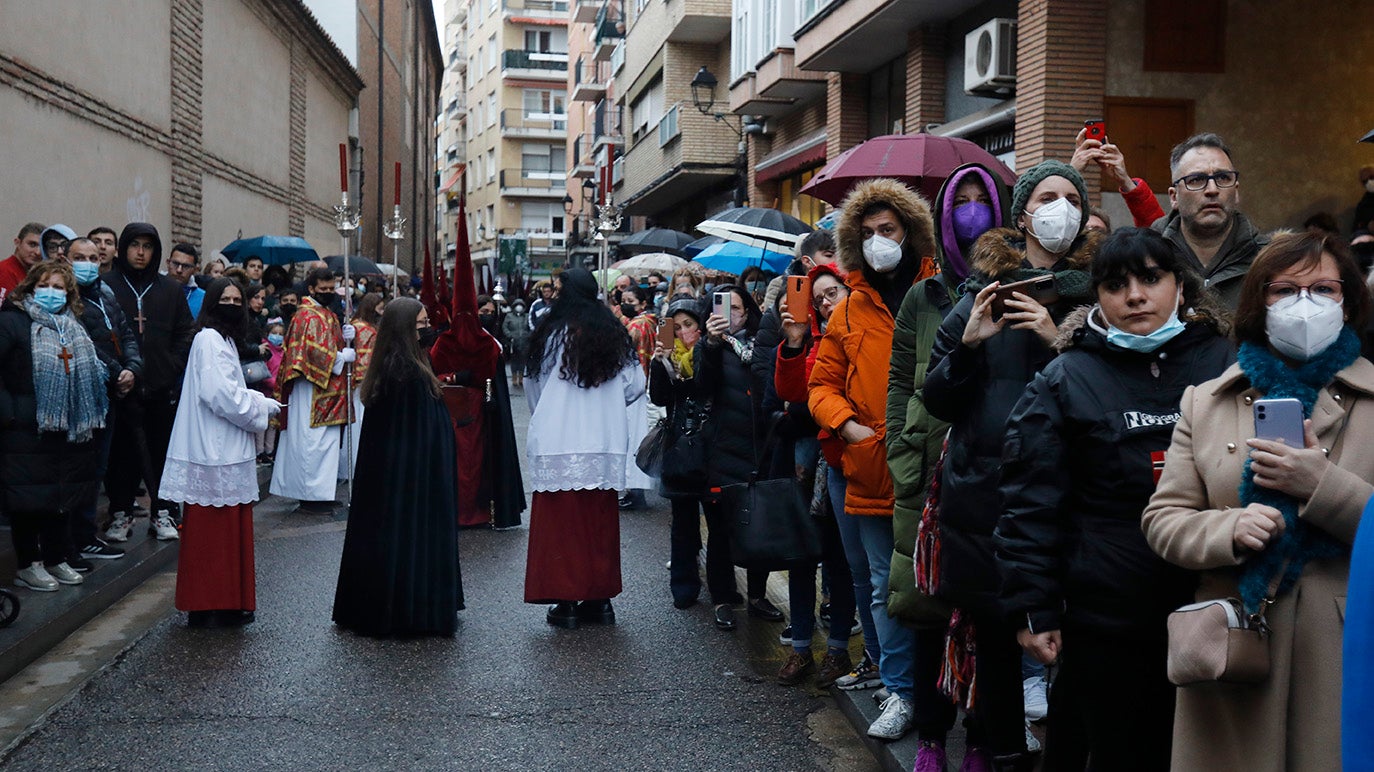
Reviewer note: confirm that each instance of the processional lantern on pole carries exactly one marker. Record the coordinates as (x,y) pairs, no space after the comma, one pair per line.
(346,220)
(608,218)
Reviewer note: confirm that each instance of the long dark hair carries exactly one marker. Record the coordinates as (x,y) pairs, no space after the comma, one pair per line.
(596,346)
(369,309)
(1127,251)
(396,356)
(752,314)
(233,329)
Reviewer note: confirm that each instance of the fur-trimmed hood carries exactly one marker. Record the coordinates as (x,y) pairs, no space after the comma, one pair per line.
(911,208)
(1002,250)
(1068,329)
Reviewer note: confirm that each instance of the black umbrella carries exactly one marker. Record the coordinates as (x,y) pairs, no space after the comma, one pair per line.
(356,264)
(756,227)
(655,240)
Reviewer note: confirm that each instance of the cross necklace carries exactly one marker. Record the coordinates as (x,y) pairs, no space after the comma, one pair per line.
(138,297)
(65,356)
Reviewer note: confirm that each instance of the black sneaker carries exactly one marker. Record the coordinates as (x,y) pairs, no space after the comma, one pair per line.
(785,637)
(80,565)
(99,550)
(763,609)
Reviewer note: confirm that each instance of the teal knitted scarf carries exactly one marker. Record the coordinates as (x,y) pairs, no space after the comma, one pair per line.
(1298,543)
(68,377)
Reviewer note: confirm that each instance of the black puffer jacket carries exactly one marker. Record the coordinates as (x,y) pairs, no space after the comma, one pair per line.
(40,472)
(974,391)
(716,404)
(1077,473)
(165,339)
(114,339)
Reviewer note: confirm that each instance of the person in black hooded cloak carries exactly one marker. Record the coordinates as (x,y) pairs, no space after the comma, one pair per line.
(399,574)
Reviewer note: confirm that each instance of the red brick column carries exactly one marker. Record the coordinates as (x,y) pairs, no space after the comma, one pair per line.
(925,77)
(846,112)
(1060,76)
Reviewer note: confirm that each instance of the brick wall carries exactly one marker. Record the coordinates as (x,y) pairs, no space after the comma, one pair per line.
(925,77)
(846,111)
(188,27)
(1060,80)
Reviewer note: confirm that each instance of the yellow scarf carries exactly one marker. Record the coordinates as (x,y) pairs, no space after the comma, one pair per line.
(682,357)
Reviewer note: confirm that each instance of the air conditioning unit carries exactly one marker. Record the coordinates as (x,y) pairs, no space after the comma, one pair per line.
(990,58)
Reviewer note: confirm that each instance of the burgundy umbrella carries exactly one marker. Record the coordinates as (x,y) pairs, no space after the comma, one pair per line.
(922,161)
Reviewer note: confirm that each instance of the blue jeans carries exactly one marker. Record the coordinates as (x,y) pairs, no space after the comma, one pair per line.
(858,561)
(896,641)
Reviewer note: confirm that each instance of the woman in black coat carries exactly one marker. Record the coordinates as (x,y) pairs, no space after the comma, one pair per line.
(706,385)
(52,400)
(1084,447)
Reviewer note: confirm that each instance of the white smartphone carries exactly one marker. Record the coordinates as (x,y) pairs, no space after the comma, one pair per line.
(1280,419)
(720,305)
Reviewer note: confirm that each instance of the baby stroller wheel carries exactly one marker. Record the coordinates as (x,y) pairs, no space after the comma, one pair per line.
(9,607)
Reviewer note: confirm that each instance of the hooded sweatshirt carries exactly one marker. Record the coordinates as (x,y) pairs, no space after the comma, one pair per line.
(156,309)
(59,229)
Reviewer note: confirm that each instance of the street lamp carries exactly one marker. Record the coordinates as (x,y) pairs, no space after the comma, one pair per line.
(704,98)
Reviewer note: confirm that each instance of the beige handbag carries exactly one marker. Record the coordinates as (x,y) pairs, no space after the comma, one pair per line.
(1216,641)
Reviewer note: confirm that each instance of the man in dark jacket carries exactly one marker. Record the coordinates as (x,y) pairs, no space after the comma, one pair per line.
(162,324)
(1206,222)
(117,348)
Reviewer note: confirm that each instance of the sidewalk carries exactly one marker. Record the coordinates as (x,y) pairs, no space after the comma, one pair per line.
(46,618)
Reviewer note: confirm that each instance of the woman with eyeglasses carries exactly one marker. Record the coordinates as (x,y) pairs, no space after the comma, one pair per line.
(399,574)
(211,467)
(1261,520)
(795,358)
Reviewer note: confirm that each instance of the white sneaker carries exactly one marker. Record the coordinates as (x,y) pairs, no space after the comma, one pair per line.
(163,527)
(65,574)
(894,721)
(1036,698)
(35,577)
(120,526)
(1032,744)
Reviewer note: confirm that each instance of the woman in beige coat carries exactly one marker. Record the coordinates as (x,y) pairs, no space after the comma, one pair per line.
(1292,509)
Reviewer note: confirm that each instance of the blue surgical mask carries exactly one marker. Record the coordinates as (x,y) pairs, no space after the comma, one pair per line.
(1147,344)
(86,273)
(50,299)
(275,339)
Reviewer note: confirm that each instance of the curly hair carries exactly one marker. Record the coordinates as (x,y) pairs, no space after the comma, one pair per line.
(40,272)
(596,346)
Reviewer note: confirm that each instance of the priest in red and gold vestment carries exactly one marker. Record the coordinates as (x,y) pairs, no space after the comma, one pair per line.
(314,388)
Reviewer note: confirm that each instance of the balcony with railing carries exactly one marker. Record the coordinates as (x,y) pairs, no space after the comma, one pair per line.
(607,124)
(458,56)
(551,10)
(457,107)
(584,156)
(535,182)
(590,80)
(519,124)
(536,65)
(607,31)
(585,11)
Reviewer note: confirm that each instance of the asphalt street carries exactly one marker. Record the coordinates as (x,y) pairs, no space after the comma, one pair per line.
(662,689)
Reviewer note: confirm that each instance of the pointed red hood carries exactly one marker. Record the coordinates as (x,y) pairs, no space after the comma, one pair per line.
(465,346)
(438,312)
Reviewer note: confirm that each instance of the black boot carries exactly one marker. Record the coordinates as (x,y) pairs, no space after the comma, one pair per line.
(563,614)
(596,611)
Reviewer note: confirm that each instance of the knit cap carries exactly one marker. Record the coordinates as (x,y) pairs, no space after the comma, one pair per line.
(1037,174)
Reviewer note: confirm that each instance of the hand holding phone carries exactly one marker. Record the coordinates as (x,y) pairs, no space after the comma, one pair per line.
(667,333)
(1096,128)
(799,298)
(1279,420)
(1040,289)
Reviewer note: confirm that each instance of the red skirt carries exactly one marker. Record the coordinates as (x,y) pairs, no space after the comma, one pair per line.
(215,568)
(574,547)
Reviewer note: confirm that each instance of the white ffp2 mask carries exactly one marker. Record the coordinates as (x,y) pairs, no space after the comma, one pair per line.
(882,253)
(1056,225)
(1301,327)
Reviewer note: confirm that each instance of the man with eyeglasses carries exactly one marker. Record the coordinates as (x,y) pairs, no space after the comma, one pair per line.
(53,241)
(182,267)
(28,251)
(1206,222)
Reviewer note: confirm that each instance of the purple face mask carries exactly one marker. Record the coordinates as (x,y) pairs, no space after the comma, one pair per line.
(971,220)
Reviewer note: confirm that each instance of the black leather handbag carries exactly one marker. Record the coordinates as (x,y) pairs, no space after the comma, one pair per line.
(771,527)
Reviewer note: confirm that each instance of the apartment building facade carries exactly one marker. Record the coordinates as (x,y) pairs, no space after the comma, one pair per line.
(514,126)
(451,127)
(595,135)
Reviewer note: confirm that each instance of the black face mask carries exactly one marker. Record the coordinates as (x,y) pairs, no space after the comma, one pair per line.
(229,318)
(325,299)
(427,338)
(487,320)
(288,308)
(628,311)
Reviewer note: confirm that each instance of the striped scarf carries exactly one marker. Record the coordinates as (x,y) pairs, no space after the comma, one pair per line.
(70,392)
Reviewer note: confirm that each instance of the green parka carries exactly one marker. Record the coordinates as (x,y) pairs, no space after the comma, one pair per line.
(914,437)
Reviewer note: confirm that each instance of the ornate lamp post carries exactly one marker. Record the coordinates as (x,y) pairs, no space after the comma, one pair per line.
(395,230)
(608,218)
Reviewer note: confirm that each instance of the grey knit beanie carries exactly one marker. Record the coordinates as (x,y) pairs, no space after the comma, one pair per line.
(1037,174)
